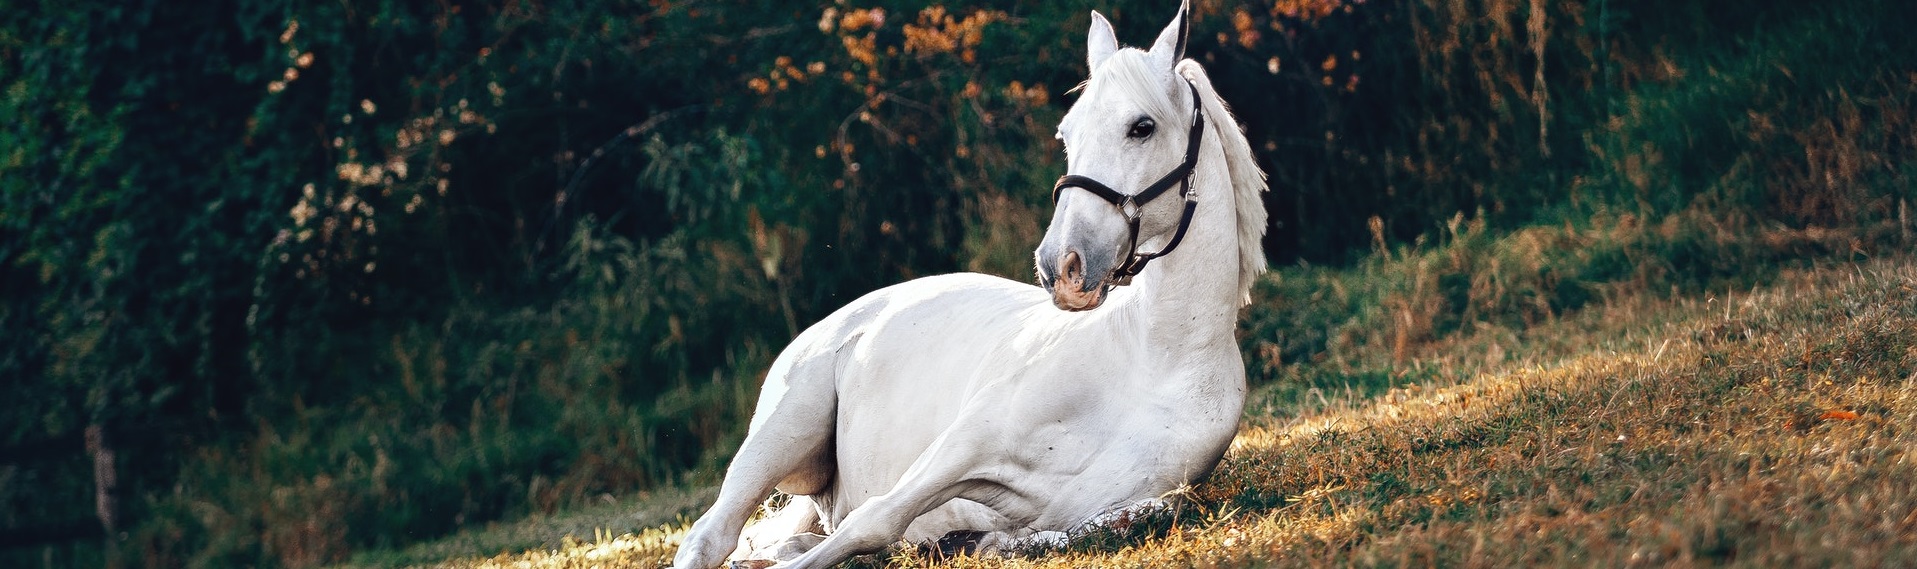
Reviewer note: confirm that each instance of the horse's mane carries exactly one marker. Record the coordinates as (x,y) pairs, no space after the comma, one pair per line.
(1247,180)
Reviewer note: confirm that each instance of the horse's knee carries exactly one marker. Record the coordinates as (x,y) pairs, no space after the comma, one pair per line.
(715,536)
(880,522)
(858,542)
(797,545)
(699,552)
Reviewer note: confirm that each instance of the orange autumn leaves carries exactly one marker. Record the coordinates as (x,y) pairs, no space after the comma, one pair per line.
(1249,29)
(1300,11)
(934,32)
(784,72)
(937,32)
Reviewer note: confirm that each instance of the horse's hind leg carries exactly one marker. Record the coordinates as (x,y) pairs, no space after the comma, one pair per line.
(788,445)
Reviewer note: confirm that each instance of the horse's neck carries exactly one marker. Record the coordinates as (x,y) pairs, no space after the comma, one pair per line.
(1187,303)
(1190,297)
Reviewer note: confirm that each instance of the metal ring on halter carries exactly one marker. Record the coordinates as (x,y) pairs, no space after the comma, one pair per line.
(1181,175)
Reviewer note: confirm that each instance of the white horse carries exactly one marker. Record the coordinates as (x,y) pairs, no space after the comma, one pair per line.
(972,405)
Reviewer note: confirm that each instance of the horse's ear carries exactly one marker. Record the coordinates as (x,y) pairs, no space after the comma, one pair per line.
(1101,43)
(1170,46)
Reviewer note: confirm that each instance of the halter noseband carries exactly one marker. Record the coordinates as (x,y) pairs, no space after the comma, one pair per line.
(1129,205)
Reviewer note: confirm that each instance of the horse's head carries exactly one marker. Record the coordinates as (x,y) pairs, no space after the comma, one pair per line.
(1128,131)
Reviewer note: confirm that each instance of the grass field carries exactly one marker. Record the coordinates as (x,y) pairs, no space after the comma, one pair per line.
(1770,426)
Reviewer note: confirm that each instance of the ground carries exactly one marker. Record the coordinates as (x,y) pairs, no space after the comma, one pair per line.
(1770,426)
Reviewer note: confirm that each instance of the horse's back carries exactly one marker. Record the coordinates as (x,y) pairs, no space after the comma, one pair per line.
(922,318)
(934,334)
(911,352)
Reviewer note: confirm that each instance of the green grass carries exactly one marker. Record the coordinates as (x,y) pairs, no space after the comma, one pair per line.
(1752,413)
(613,516)
(1438,313)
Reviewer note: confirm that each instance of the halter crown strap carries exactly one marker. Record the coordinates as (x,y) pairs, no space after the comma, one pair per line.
(1181,176)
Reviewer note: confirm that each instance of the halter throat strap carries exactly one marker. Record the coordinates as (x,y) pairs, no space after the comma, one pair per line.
(1130,205)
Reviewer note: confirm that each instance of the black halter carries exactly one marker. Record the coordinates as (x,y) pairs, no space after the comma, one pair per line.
(1129,205)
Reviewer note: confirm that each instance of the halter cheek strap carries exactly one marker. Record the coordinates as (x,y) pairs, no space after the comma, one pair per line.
(1129,205)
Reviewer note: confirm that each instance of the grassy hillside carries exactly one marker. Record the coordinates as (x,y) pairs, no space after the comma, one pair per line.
(1761,423)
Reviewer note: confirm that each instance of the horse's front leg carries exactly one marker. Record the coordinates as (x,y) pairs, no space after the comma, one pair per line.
(937,478)
(790,441)
(877,524)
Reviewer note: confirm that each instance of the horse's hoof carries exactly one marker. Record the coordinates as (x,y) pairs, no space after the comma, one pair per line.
(955,544)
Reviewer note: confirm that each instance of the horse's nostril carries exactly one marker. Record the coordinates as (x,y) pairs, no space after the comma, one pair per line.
(1070,267)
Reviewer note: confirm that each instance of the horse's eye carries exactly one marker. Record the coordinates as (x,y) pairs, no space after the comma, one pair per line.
(1143,128)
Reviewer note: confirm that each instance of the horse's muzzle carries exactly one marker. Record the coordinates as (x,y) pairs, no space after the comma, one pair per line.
(1069,292)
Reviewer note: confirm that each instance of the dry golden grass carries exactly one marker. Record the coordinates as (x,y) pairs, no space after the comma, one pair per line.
(1770,427)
